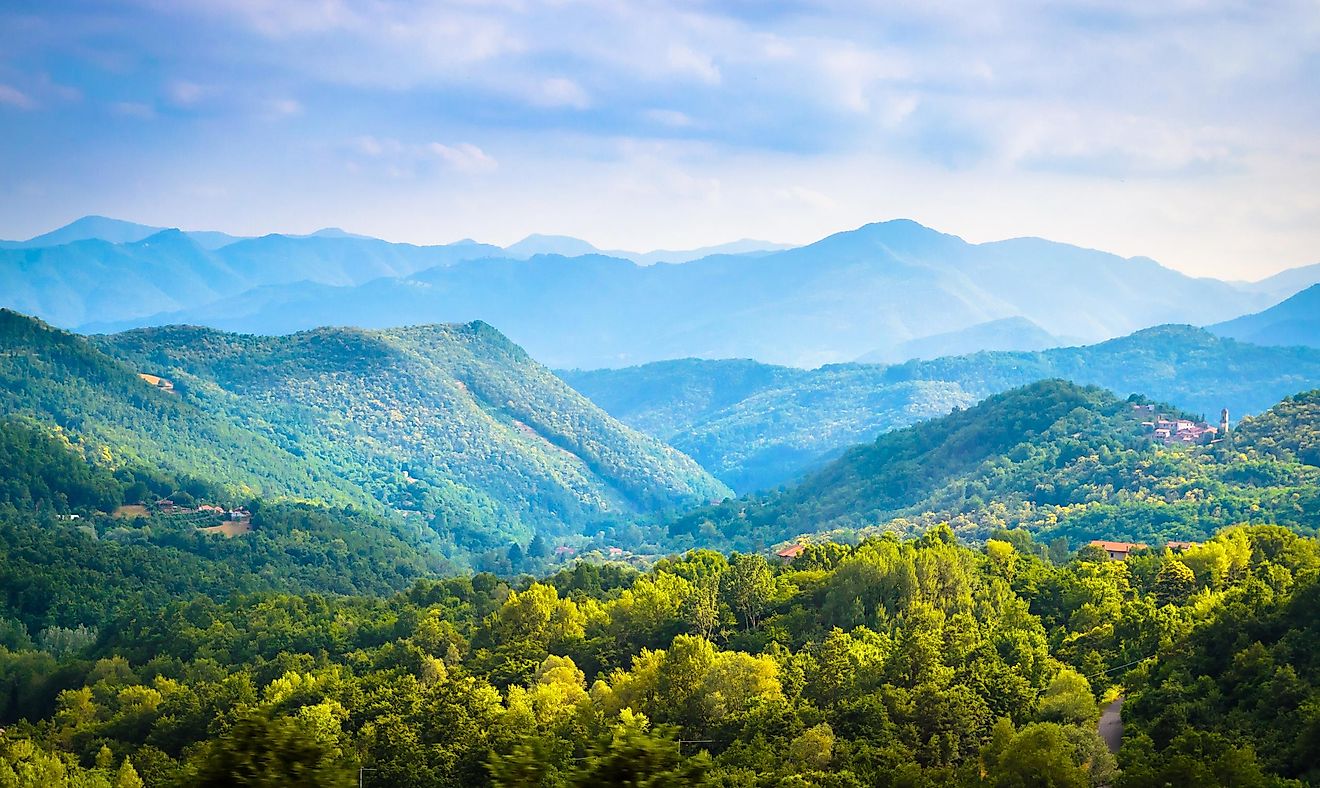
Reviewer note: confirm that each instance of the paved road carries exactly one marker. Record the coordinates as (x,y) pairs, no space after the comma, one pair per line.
(1111,725)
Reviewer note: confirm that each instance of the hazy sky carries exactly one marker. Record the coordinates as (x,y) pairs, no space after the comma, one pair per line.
(1186,131)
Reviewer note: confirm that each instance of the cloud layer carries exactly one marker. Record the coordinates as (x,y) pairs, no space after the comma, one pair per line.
(1188,131)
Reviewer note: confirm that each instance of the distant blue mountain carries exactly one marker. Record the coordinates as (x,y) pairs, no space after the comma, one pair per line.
(1008,333)
(536,244)
(880,285)
(1287,283)
(116,231)
(91,228)
(568,246)
(95,281)
(1295,321)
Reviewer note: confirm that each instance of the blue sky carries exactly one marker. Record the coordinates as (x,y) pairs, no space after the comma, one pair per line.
(1186,131)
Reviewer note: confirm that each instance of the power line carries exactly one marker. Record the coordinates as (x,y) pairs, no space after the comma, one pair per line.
(1120,667)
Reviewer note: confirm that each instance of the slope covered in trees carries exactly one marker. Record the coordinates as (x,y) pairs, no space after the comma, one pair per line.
(1244,685)
(757,426)
(916,663)
(450,424)
(1057,459)
(61,380)
(54,501)
(147,650)
(453,422)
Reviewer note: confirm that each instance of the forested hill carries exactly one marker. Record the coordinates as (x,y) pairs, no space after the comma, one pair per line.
(453,424)
(757,426)
(1054,458)
(454,421)
(60,379)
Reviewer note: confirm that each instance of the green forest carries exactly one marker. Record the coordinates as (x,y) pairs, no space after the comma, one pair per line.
(452,427)
(904,663)
(942,621)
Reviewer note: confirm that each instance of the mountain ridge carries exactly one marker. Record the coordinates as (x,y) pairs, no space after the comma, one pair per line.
(830,301)
(769,424)
(1293,321)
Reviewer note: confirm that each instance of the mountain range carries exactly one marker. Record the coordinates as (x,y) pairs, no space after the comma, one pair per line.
(452,425)
(885,291)
(1294,321)
(756,426)
(566,246)
(831,301)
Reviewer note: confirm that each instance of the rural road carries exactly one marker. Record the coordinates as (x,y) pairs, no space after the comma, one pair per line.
(1111,725)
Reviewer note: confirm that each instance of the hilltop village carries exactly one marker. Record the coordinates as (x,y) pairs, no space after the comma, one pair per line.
(1174,430)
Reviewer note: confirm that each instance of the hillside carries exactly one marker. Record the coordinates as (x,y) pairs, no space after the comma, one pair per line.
(1294,321)
(453,424)
(63,497)
(769,424)
(831,301)
(1055,458)
(61,380)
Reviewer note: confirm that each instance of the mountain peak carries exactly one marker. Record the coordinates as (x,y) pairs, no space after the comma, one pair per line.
(90,227)
(336,232)
(172,237)
(903,234)
(536,243)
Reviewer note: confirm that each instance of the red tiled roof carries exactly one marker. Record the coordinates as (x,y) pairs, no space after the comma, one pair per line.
(1117,547)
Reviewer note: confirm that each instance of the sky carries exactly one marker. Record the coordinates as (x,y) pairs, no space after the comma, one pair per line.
(1183,130)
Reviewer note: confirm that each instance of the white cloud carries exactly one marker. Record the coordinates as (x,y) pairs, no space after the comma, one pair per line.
(1121,144)
(685,60)
(184,93)
(808,197)
(560,92)
(284,107)
(670,117)
(851,73)
(463,157)
(370,146)
(133,109)
(16,98)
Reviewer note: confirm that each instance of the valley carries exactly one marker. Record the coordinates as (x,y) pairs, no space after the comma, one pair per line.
(673,394)
(758,426)
(429,528)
